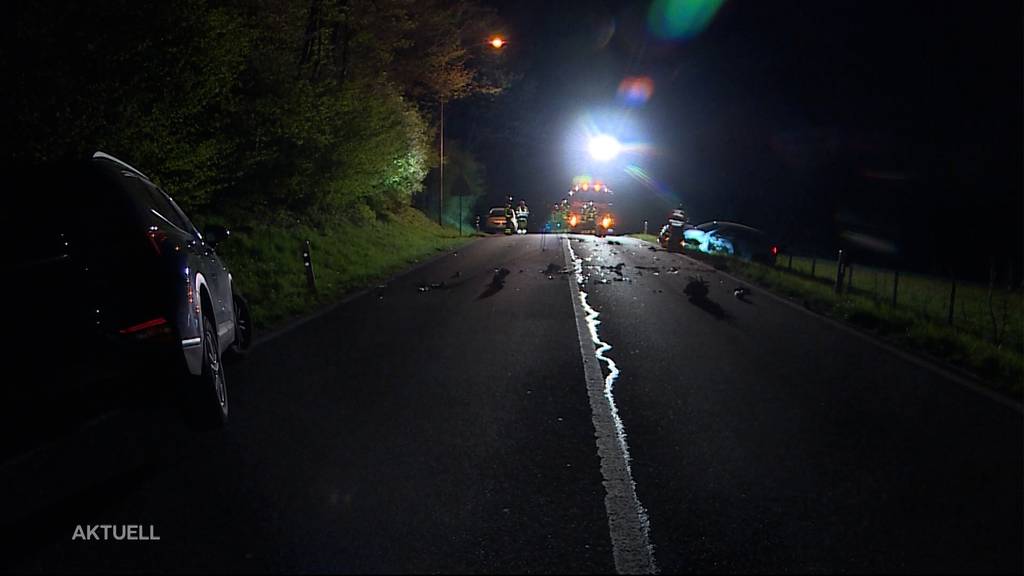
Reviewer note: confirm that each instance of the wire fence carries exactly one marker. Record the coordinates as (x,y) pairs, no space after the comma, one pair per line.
(993,312)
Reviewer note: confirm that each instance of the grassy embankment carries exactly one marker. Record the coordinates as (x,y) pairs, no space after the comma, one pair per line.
(986,338)
(645,237)
(266,260)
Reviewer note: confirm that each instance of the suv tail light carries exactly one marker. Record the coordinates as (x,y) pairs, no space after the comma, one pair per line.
(156,328)
(156,237)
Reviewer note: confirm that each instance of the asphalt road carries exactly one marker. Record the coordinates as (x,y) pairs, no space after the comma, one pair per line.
(443,424)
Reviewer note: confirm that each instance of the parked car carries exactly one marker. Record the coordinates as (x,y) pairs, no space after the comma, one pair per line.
(113,296)
(496,220)
(731,238)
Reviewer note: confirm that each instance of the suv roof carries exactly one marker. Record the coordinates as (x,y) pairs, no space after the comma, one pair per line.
(104,156)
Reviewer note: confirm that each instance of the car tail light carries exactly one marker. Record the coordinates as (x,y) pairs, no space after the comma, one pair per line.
(149,329)
(156,237)
(775,250)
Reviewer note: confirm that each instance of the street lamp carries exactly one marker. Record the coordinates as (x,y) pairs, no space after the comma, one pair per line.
(497,43)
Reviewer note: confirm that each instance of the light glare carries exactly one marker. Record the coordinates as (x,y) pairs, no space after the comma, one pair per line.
(604,147)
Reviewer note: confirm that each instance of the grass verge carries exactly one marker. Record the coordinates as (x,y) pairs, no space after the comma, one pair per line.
(645,237)
(1001,368)
(266,260)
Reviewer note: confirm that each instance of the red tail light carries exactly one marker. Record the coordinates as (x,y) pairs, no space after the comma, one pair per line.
(157,327)
(775,250)
(156,237)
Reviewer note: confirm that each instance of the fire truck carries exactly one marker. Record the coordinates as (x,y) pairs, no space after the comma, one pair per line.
(587,209)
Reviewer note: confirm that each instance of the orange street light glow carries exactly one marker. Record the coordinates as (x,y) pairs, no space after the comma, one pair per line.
(497,42)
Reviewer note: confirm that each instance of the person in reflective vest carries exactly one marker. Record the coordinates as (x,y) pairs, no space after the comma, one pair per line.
(510,218)
(522,214)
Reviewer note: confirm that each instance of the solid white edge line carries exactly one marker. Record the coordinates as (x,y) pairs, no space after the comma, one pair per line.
(627,520)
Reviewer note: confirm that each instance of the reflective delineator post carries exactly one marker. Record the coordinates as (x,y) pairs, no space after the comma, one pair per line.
(645,227)
(840,272)
(307,261)
(895,285)
(952,301)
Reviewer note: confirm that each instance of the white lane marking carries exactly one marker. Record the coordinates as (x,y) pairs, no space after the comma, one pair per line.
(627,520)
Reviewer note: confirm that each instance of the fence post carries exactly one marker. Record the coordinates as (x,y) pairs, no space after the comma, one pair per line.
(952,302)
(895,285)
(307,261)
(840,272)
(849,277)
(790,264)
(814,264)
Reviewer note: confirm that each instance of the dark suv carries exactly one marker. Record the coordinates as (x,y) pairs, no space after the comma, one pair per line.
(113,297)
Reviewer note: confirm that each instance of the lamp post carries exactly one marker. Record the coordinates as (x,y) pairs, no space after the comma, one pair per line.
(440,188)
(497,43)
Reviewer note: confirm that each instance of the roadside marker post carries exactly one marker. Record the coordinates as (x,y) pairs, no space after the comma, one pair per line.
(952,301)
(307,261)
(840,272)
(895,286)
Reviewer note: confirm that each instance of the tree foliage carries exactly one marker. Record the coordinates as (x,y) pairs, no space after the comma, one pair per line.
(464,185)
(308,107)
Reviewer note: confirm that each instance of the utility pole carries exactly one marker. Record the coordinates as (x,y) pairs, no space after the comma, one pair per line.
(440,188)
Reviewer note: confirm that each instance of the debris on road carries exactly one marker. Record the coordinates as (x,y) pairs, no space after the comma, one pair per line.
(741,293)
(696,288)
(497,282)
(427,287)
(555,269)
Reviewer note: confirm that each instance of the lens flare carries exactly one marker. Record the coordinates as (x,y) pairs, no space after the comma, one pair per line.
(635,91)
(641,176)
(681,19)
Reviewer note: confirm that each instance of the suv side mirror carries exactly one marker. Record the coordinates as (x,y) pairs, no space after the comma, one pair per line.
(215,234)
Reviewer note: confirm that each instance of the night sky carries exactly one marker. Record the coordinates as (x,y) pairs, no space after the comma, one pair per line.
(898,122)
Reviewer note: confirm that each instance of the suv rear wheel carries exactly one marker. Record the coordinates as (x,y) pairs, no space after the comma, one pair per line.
(243,327)
(207,402)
